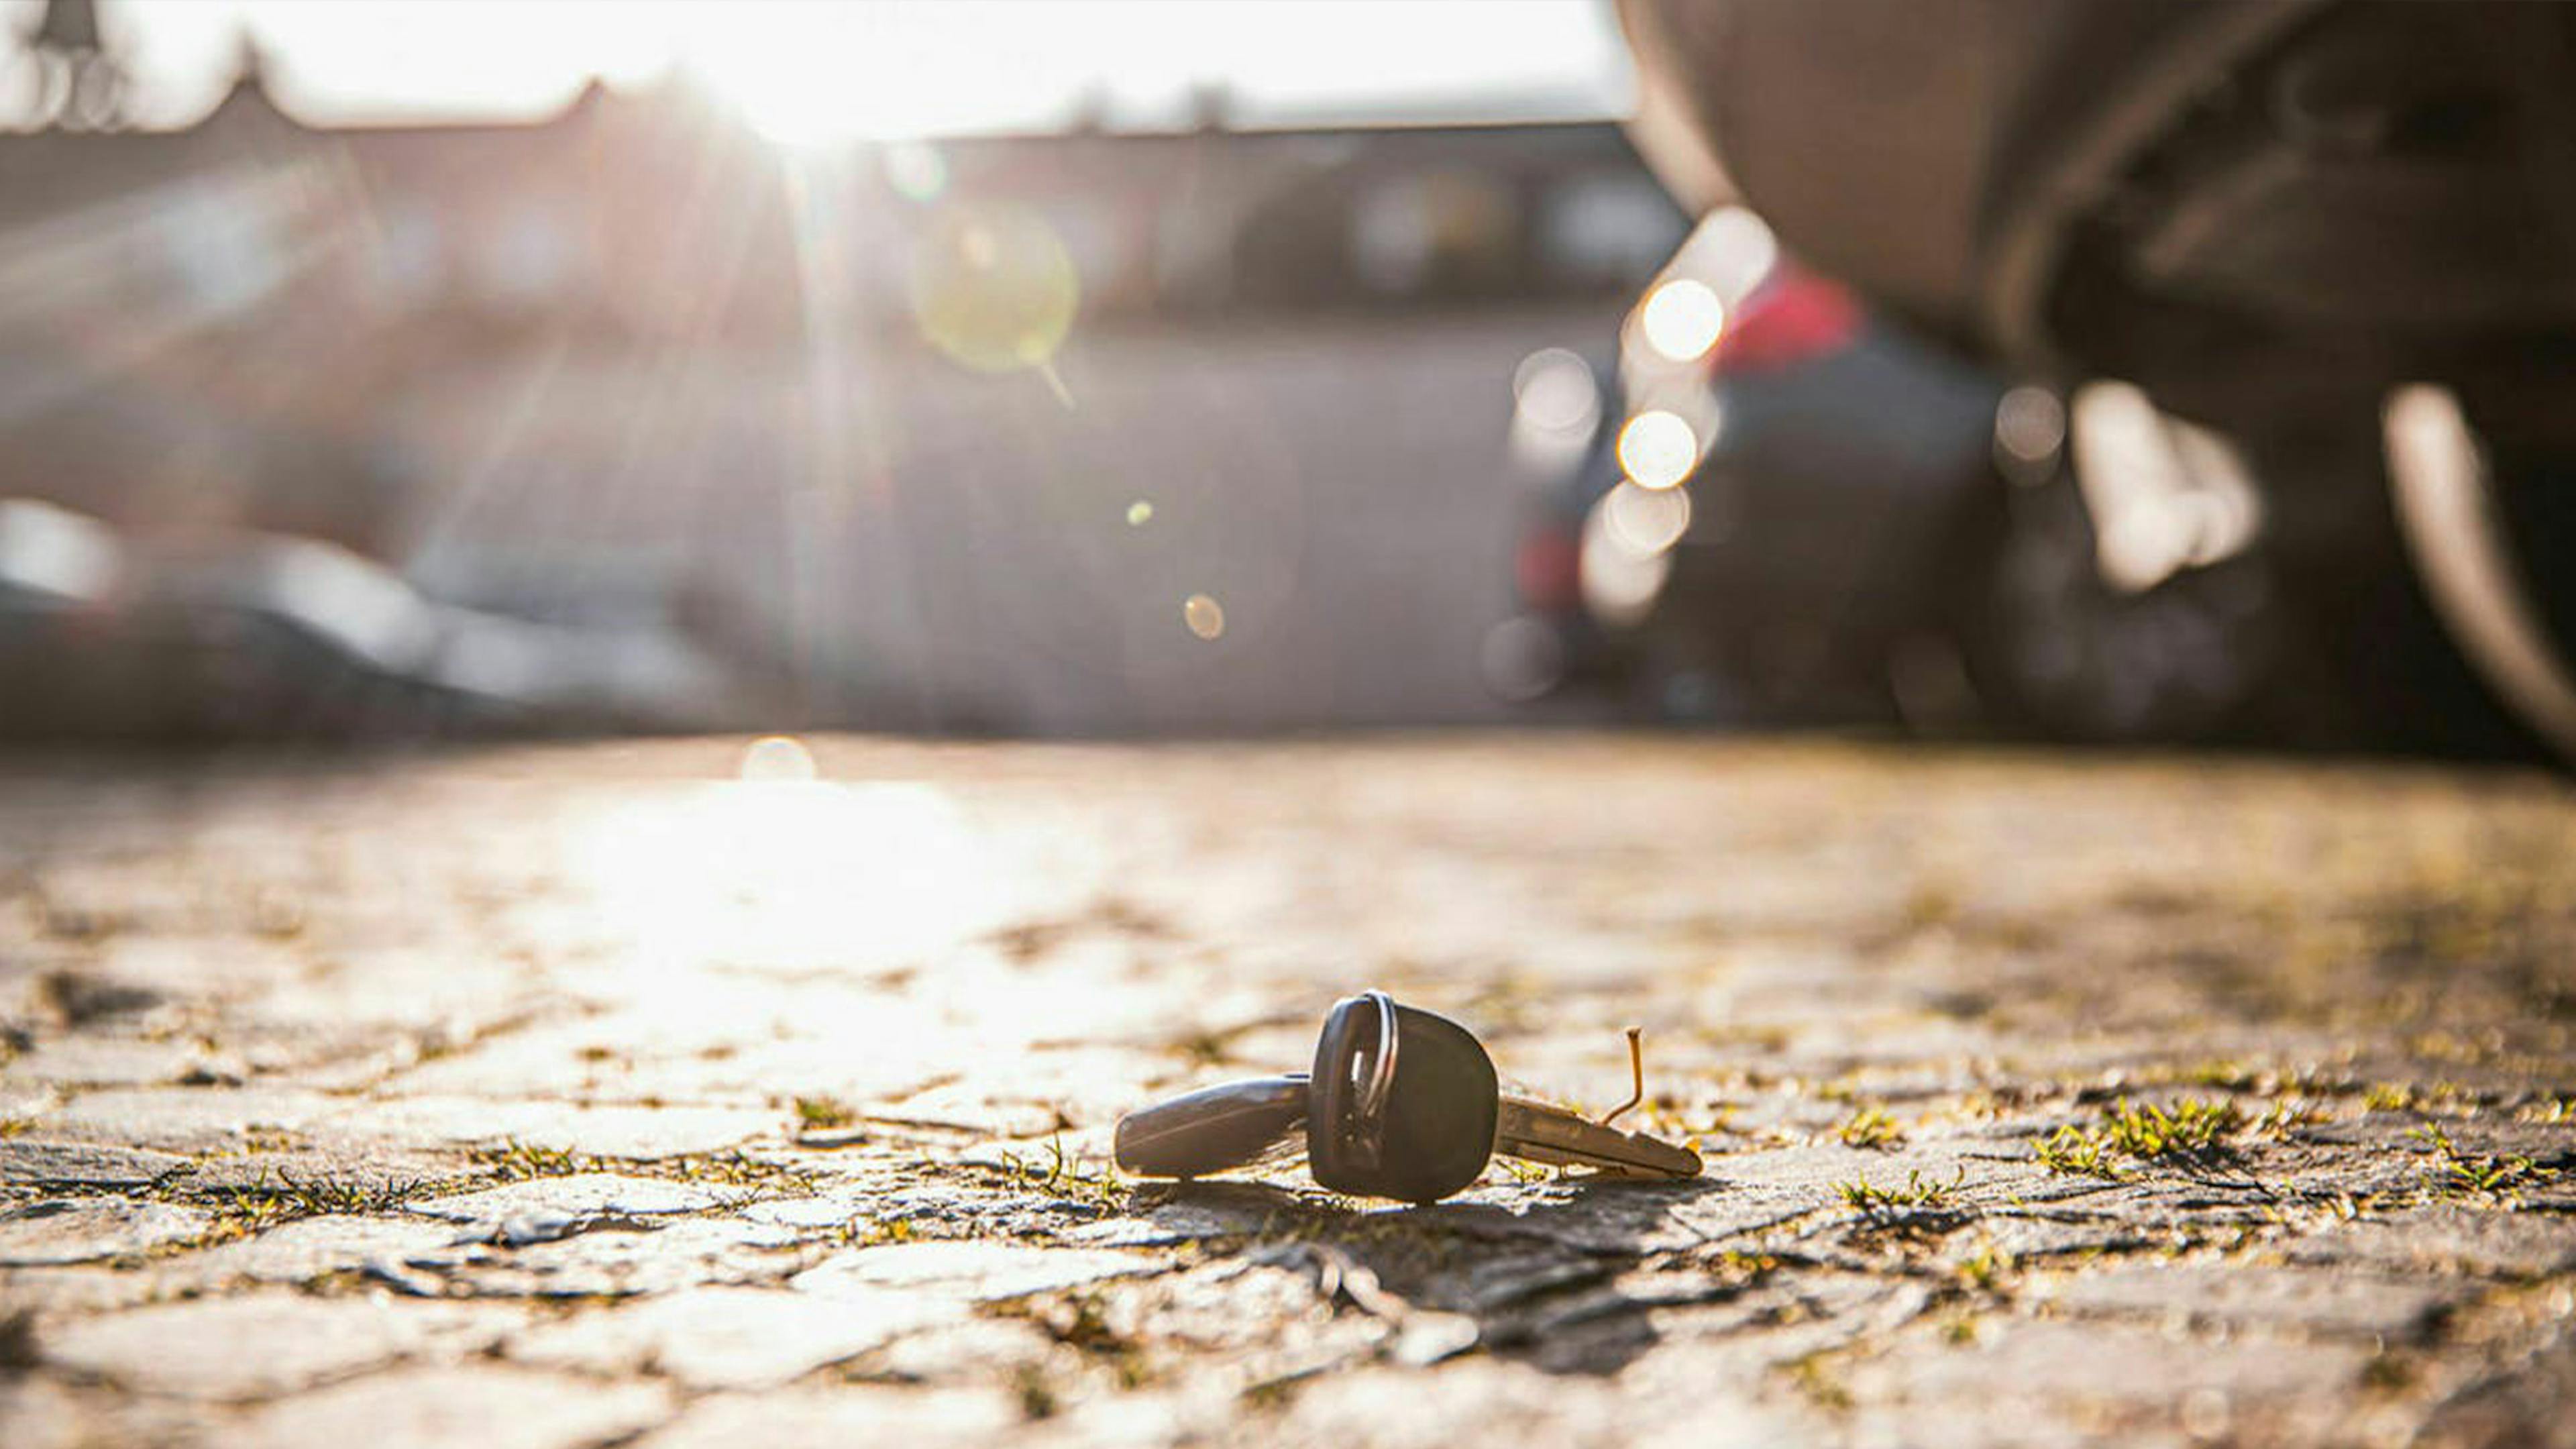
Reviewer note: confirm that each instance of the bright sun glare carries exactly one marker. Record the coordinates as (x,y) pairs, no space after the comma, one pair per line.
(815,72)
(814,75)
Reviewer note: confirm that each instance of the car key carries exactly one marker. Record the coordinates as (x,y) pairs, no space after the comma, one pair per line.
(1434,1140)
(1229,1125)
(1536,1131)
(1405,1104)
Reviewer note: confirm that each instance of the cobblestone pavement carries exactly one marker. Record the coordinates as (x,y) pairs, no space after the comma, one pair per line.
(588,1095)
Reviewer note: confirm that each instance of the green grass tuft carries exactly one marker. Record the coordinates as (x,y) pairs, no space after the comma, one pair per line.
(1064,1175)
(824,1113)
(2188,1130)
(1887,1204)
(2077,1153)
(1870,1127)
(2454,1173)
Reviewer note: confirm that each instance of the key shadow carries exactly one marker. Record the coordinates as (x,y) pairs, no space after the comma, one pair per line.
(1538,1275)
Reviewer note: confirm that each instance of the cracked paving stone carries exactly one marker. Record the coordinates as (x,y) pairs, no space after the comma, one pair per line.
(1186,1219)
(940,1210)
(43,1413)
(918,1418)
(1031,1094)
(637,1133)
(2546,1144)
(2341,1301)
(1635,1217)
(615,1257)
(2044,1382)
(577,1193)
(105,1061)
(490,1406)
(40,1413)
(391,1172)
(27,1102)
(830,1210)
(1264,1323)
(1852,1302)
(727,1338)
(83,1229)
(78,1290)
(2034,1236)
(186,1119)
(972,1271)
(969,1352)
(2505,1244)
(1513,1277)
(258,1345)
(307,1248)
(1469,1400)
(30,1162)
(463,994)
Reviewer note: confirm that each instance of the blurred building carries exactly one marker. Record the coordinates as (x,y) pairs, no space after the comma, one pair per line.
(634,365)
(212,324)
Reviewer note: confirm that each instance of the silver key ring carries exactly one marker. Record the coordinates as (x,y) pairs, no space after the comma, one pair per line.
(1382,1070)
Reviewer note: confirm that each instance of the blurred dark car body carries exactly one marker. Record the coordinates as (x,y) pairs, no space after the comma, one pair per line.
(1767,505)
(248,635)
(2327,247)
(1818,552)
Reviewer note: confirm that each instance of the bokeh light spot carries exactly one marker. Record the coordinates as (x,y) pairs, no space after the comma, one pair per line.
(1620,585)
(1657,449)
(1139,513)
(1204,616)
(1733,250)
(777,757)
(1682,319)
(1646,520)
(1553,389)
(1521,659)
(2030,428)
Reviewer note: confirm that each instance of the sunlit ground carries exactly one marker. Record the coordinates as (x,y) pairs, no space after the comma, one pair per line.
(694,1083)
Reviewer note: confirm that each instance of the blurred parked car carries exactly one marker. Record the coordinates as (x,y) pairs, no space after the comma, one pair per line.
(256,635)
(1755,506)
(2316,254)
(1771,506)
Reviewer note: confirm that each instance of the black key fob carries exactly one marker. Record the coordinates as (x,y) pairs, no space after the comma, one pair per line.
(1404,1102)
(1213,1128)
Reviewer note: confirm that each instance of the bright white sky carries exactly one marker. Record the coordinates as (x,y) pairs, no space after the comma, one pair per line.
(816,69)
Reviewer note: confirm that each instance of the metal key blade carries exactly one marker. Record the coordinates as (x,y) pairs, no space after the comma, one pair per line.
(1214,1129)
(1538,1132)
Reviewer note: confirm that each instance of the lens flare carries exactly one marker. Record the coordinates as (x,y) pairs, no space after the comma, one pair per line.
(994,288)
(1657,449)
(1682,319)
(915,169)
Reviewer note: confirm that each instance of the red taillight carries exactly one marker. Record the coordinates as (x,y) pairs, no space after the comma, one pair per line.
(1547,569)
(1795,317)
